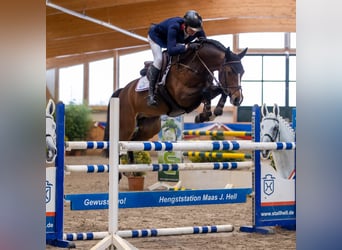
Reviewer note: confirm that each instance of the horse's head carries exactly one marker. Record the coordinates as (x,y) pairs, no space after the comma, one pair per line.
(230,76)
(269,127)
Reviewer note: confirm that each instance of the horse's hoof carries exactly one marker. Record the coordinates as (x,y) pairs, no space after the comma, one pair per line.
(143,72)
(218,112)
(203,117)
(200,118)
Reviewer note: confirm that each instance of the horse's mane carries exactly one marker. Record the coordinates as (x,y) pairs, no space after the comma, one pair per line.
(289,130)
(284,161)
(216,43)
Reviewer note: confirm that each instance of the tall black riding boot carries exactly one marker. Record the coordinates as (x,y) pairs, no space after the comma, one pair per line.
(152,76)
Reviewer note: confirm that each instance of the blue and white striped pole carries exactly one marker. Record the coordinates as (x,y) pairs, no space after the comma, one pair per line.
(162,167)
(205,146)
(151,232)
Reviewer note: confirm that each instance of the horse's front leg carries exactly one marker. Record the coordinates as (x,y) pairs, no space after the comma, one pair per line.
(210,93)
(220,105)
(206,113)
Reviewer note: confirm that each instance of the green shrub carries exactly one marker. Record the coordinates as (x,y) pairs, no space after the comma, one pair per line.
(78,122)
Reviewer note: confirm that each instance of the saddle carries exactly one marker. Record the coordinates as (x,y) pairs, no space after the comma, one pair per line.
(161,91)
(165,62)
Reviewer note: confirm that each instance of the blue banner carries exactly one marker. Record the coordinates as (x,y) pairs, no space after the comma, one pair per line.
(272,213)
(160,198)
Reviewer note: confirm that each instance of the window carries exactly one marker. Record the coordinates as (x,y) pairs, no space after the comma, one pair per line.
(131,64)
(226,40)
(293,43)
(292,94)
(50,80)
(292,81)
(252,93)
(292,68)
(274,80)
(271,40)
(253,68)
(273,92)
(274,68)
(264,80)
(100,81)
(71,84)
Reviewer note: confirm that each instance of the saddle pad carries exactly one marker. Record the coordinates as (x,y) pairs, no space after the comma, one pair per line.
(142,85)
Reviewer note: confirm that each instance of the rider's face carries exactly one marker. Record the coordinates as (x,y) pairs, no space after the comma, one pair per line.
(190,31)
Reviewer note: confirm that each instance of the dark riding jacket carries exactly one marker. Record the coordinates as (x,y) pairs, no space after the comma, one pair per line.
(170,34)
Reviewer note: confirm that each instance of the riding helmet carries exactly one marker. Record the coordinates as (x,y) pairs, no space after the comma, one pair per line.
(193,20)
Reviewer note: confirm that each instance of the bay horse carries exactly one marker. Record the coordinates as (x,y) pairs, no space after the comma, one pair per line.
(187,81)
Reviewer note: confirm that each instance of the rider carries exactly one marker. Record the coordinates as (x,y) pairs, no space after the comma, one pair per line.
(174,34)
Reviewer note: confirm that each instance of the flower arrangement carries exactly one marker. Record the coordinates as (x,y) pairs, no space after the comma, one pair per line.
(140,157)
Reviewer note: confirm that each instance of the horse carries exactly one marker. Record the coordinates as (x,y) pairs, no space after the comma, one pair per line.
(50,135)
(274,128)
(188,80)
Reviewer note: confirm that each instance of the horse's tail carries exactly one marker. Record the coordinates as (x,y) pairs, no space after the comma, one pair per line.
(107,128)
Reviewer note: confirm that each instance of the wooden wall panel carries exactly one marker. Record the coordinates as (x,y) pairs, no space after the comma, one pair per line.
(68,36)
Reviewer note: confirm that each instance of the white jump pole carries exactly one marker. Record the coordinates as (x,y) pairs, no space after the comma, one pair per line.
(113,240)
(204,146)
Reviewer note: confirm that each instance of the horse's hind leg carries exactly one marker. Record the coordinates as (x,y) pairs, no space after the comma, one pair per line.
(147,127)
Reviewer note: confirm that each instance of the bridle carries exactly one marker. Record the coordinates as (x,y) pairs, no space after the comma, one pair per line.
(277,134)
(230,90)
(225,90)
(233,89)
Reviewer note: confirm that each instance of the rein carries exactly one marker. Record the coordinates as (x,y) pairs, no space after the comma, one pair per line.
(209,71)
(234,89)
(215,79)
(187,66)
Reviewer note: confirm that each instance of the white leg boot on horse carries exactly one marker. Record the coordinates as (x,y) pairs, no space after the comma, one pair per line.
(152,76)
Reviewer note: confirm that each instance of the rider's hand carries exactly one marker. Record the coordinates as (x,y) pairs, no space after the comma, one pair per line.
(194,46)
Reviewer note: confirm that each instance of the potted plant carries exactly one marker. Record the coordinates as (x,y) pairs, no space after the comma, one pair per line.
(78,122)
(136,179)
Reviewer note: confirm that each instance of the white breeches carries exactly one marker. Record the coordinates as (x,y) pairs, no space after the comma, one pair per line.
(157,53)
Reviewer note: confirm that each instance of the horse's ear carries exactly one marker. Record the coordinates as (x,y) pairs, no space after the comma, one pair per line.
(276,109)
(264,110)
(243,53)
(50,107)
